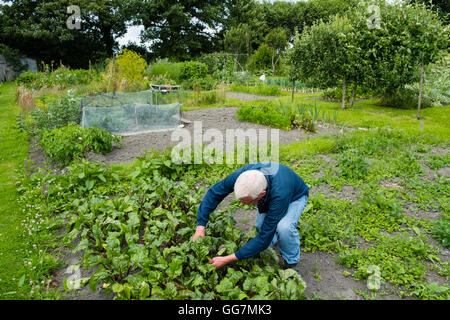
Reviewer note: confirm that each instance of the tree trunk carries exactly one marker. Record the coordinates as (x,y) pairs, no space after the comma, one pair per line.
(273,65)
(235,63)
(352,99)
(419,103)
(108,39)
(293,90)
(344,94)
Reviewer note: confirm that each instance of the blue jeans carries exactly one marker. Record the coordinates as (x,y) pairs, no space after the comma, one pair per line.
(287,235)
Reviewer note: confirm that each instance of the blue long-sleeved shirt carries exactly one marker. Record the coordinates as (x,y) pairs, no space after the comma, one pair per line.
(283,187)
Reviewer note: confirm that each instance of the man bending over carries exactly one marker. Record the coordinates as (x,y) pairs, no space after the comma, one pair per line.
(280,196)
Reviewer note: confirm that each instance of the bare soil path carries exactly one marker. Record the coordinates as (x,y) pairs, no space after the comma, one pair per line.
(212,118)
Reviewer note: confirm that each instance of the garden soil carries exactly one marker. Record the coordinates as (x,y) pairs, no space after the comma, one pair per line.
(324,276)
(133,146)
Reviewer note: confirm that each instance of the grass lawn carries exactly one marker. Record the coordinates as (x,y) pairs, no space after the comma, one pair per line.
(13,151)
(368,114)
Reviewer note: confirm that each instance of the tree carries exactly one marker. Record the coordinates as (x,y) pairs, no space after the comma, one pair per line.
(293,67)
(384,56)
(238,12)
(283,14)
(139,49)
(248,12)
(44,33)
(441,7)
(325,10)
(402,47)
(261,16)
(261,59)
(237,42)
(180,30)
(428,44)
(327,54)
(277,41)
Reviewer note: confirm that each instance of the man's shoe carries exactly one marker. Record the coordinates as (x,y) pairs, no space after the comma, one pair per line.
(285,265)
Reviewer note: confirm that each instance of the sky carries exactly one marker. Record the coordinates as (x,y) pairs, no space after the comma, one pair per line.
(131,35)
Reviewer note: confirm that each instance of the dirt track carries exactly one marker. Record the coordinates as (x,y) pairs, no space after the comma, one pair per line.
(212,118)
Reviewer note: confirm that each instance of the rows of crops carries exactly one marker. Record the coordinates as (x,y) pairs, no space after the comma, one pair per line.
(135,230)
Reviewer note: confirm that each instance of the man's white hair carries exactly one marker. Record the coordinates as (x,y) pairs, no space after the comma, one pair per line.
(250,184)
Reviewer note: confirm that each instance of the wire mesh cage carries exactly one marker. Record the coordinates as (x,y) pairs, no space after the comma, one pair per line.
(132,112)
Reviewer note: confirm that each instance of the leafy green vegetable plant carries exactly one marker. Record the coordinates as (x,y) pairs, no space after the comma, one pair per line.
(64,144)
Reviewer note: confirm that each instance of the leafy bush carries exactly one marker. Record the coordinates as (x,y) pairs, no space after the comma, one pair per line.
(27,79)
(243,78)
(436,89)
(207,83)
(405,98)
(190,74)
(261,60)
(64,144)
(265,115)
(162,79)
(284,116)
(299,115)
(60,113)
(64,77)
(164,68)
(61,77)
(132,66)
(193,70)
(373,143)
(220,65)
(303,121)
(31,80)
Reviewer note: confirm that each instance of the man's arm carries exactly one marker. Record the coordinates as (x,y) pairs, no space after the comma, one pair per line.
(215,195)
(219,262)
(277,209)
(262,241)
(255,245)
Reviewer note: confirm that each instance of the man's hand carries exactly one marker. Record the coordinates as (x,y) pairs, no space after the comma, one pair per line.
(219,262)
(199,232)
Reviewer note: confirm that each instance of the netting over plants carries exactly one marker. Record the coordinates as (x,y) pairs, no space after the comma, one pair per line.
(131,112)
